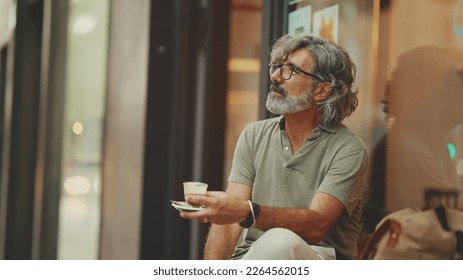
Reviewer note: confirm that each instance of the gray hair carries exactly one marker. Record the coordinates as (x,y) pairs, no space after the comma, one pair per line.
(333,65)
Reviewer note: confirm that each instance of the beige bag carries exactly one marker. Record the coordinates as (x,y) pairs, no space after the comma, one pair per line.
(412,234)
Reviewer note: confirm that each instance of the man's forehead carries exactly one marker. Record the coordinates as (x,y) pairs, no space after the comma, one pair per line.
(300,57)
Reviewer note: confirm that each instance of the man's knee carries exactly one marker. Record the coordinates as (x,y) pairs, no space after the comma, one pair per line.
(283,237)
(278,243)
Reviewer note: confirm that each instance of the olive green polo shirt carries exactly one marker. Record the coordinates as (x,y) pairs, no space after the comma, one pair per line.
(332,160)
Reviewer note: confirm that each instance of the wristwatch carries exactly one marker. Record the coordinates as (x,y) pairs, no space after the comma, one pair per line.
(250,220)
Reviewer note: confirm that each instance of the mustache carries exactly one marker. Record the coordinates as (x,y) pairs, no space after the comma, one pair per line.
(277,88)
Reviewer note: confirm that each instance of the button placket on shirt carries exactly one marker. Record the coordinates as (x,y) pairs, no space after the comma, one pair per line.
(286,146)
(288,154)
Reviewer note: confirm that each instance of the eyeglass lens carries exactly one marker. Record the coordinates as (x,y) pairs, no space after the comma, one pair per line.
(285,70)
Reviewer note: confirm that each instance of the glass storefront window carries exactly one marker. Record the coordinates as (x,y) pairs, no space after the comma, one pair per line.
(79,209)
(421,57)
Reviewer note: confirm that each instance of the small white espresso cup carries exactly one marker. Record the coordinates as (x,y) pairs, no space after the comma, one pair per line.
(194,188)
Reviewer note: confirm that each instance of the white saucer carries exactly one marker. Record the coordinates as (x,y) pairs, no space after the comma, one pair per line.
(183,206)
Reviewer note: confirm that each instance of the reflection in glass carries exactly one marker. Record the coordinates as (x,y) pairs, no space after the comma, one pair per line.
(416,162)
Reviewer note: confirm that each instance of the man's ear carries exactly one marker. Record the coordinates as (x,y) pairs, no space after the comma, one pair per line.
(322,91)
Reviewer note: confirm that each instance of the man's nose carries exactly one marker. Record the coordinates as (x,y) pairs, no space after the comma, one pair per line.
(276,77)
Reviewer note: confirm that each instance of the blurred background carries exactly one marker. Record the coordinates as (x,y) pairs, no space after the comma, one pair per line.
(107,106)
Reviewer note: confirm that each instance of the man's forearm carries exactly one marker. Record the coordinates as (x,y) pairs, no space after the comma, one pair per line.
(221,241)
(310,224)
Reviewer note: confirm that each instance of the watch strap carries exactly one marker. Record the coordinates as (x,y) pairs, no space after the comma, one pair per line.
(251,218)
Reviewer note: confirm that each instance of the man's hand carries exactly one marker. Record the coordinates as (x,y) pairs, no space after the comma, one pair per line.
(220,208)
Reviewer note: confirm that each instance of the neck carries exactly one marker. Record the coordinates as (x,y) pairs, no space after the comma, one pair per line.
(299,126)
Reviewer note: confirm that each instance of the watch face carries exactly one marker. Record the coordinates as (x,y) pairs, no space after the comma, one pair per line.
(248,222)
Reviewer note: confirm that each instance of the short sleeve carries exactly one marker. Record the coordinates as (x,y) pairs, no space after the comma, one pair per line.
(345,178)
(243,170)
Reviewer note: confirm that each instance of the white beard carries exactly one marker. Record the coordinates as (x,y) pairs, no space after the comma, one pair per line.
(288,104)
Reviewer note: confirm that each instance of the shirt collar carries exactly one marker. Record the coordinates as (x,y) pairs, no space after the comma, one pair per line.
(317,131)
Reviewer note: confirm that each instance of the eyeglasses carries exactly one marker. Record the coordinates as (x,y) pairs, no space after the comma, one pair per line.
(286,71)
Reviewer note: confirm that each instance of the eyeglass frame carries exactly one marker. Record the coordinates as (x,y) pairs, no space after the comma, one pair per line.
(293,68)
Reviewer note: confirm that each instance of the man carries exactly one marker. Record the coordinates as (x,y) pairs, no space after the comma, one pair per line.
(296,183)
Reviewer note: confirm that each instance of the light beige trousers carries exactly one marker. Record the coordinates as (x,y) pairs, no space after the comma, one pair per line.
(283,244)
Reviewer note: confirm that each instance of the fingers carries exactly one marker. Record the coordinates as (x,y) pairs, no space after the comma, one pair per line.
(208,199)
(213,211)
(200,216)
(195,199)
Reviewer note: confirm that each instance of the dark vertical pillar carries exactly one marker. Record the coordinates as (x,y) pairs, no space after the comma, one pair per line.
(180,30)
(52,111)
(26,84)
(169,131)
(4,145)
(218,19)
(3,81)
